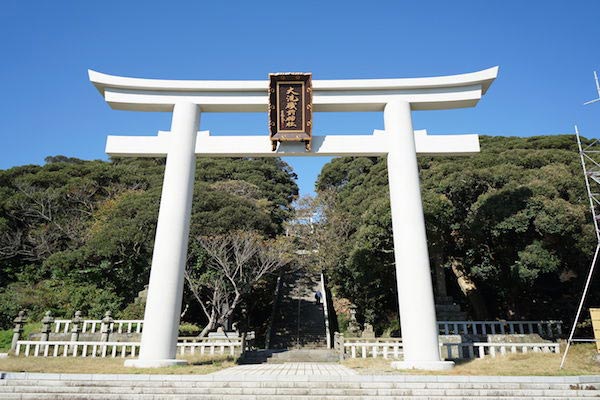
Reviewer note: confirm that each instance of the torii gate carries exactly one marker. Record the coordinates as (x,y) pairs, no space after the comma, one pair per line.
(186,99)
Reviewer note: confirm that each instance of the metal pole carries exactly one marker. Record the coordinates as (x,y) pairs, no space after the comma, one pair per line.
(587,184)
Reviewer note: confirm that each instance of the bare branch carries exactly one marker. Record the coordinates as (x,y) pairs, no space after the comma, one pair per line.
(236,263)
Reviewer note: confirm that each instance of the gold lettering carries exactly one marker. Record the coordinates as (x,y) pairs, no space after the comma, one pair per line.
(289,118)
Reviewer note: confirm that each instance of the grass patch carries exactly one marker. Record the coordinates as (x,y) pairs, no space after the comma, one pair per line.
(68,365)
(580,361)
(7,334)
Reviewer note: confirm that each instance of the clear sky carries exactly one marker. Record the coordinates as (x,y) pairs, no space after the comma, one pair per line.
(546,51)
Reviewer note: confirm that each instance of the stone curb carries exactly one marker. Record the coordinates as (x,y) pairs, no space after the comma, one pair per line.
(302,378)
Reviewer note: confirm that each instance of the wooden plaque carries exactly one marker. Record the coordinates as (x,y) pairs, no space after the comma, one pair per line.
(290,108)
(595,314)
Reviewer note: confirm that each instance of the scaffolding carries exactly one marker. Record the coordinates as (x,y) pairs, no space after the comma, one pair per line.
(590,163)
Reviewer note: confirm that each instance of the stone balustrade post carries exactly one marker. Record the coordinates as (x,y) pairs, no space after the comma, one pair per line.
(47,326)
(353,325)
(342,348)
(76,323)
(106,326)
(243,343)
(18,330)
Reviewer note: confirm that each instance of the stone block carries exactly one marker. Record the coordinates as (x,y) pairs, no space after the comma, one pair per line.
(516,338)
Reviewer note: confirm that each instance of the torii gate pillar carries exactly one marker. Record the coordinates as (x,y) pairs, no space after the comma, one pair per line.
(415,291)
(165,289)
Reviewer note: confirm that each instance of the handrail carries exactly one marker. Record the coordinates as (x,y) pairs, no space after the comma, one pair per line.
(325,311)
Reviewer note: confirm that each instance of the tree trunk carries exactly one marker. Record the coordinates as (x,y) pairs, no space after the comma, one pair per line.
(225,315)
(210,325)
(440,274)
(469,289)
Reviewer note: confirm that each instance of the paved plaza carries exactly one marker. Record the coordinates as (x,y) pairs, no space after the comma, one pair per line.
(331,370)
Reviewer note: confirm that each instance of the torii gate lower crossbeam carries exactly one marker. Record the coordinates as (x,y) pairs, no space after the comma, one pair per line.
(398,142)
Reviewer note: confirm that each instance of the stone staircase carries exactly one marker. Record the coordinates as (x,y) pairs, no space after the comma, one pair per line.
(447,310)
(298,326)
(273,356)
(29,386)
(298,321)
(305,355)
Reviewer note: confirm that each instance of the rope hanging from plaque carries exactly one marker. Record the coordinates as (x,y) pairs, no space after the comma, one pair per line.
(290,108)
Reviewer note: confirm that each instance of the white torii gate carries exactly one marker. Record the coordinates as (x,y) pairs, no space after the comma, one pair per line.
(186,99)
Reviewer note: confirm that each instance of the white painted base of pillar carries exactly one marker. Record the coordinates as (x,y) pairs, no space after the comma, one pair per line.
(424,365)
(153,363)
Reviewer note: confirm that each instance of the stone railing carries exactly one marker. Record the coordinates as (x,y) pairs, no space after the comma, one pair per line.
(34,348)
(218,337)
(542,328)
(94,325)
(212,347)
(492,349)
(376,347)
(84,336)
(392,348)
(453,351)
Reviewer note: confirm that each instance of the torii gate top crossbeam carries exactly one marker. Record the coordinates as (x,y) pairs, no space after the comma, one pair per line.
(435,93)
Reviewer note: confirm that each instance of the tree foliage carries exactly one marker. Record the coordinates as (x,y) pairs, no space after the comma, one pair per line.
(510,226)
(90,225)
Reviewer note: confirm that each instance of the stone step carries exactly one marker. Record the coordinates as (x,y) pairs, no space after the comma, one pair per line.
(444,299)
(39,396)
(447,308)
(225,379)
(269,381)
(293,381)
(293,393)
(452,316)
(305,355)
(293,343)
(298,321)
(297,391)
(227,382)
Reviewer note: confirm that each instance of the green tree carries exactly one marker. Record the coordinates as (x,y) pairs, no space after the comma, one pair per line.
(508,228)
(93,222)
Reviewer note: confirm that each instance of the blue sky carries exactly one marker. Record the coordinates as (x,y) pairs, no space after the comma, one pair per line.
(546,51)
